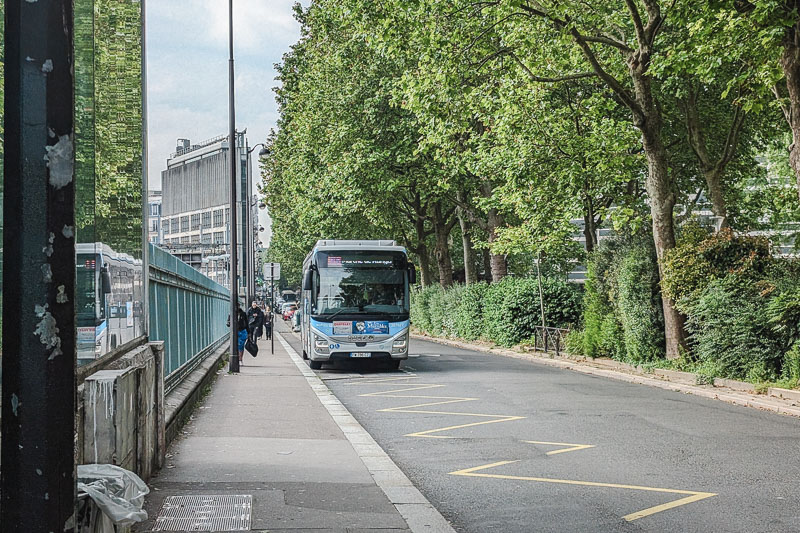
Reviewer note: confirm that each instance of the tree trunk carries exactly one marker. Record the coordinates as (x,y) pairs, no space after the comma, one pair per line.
(470,274)
(494,220)
(659,189)
(790,62)
(487,265)
(425,267)
(441,231)
(589,229)
(662,203)
(714,186)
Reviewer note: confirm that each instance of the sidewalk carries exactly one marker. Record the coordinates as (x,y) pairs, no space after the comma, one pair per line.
(276,433)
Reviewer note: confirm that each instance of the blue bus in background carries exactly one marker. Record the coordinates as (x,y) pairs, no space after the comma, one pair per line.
(355,302)
(109,296)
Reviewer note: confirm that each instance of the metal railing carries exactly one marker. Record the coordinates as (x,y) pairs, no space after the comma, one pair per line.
(550,339)
(188,311)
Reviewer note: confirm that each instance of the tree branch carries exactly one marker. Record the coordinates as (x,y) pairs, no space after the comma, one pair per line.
(534,77)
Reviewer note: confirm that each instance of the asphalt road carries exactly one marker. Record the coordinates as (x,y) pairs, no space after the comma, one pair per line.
(501,444)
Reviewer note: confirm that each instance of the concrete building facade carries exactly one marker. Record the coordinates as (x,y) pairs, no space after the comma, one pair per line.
(195,209)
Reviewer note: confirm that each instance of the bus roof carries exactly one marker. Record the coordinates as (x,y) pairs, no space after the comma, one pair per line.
(384,245)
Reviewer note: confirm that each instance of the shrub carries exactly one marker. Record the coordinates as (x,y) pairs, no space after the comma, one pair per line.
(623,316)
(691,265)
(791,364)
(450,301)
(420,308)
(730,330)
(469,313)
(639,306)
(437,311)
(512,309)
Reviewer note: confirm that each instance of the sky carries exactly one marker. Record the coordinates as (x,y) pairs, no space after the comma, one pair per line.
(187,73)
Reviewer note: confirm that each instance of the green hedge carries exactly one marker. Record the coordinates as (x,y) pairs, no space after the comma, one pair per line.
(623,314)
(505,313)
(742,305)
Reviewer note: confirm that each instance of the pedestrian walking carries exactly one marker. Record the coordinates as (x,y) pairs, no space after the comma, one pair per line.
(255,322)
(241,328)
(268,323)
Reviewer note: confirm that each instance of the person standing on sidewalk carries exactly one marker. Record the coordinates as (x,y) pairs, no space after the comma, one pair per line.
(241,328)
(268,322)
(255,321)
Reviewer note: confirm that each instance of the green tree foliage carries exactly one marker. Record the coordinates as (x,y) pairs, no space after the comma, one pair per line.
(519,119)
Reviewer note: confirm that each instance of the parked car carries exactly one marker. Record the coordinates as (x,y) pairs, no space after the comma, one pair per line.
(288,311)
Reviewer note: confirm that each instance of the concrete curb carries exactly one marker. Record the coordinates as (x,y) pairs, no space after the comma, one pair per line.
(181,401)
(416,510)
(725,394)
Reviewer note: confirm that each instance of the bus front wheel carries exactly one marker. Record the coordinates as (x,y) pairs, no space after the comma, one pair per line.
(394,364)
(314,365)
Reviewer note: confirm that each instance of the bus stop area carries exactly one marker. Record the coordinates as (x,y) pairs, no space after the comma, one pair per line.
(271,449)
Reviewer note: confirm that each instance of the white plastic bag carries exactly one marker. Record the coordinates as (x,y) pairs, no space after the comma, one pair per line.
(119,493)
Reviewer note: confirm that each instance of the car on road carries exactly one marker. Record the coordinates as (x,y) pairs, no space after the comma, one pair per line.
(288,311)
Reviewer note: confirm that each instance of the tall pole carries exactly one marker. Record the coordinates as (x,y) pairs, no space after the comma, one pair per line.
(37,482)
(234,362)
(272,297)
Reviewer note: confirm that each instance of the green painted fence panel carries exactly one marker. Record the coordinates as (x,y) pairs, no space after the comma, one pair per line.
(188,311)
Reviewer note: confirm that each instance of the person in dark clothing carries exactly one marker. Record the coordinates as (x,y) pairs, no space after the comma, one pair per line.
(255,321)
(241,328)
(268,323)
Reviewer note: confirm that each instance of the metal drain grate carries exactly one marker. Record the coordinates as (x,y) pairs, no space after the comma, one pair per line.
(205,513)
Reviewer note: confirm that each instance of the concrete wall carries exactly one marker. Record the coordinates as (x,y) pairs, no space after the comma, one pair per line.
(122,419)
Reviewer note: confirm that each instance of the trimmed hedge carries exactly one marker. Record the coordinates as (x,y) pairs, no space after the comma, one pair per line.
(505,313)
(623,315)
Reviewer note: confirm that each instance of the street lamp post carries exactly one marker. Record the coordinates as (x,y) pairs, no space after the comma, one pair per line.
(234,360)
(248,234)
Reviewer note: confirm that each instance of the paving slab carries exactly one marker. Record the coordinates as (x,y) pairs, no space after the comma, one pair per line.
(266,432)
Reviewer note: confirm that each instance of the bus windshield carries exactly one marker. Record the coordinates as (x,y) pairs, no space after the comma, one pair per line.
(357,283)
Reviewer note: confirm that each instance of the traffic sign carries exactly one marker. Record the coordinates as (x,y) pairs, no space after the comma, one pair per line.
(272,271)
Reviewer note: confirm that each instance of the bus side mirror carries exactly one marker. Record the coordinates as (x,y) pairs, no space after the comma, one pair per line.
(307,279)
(412,274)
(105,280)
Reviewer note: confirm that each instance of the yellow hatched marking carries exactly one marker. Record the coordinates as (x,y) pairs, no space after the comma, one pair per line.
(443,400)
(570,447)
(691,496)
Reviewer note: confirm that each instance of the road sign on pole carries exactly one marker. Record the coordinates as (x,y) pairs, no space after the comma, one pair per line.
(272,271)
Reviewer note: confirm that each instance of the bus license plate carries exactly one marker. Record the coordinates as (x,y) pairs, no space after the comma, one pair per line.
(360,354)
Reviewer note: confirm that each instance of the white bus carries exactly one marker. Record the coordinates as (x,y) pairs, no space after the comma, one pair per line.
(355,302)
(108,300)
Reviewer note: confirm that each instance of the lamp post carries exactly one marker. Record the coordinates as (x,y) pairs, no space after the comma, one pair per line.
(249,236)
(234,359)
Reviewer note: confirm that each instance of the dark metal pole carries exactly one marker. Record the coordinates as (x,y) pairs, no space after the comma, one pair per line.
(272,296)
(234,362)
(38,419)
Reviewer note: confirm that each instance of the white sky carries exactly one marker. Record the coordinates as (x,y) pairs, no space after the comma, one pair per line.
(187,73)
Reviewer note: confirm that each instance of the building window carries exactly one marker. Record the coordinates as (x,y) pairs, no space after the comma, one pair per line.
(195,239)
(219,237)
(184,224)
(185,240)
(206,239)
(155,210)
(195,221)
(165,225)
(218,223)
(207,220)
(227,215)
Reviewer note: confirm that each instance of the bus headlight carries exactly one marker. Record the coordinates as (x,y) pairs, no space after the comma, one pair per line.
(320,344)
(400,344)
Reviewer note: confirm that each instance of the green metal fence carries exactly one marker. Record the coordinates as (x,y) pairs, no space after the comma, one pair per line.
(188,311)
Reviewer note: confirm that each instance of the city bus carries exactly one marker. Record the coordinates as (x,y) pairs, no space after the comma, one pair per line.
(355,302)
(108,300)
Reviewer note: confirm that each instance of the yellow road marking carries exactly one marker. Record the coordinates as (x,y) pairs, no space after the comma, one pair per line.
(692,496)
(429,433)
(571,447)
(421,386)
